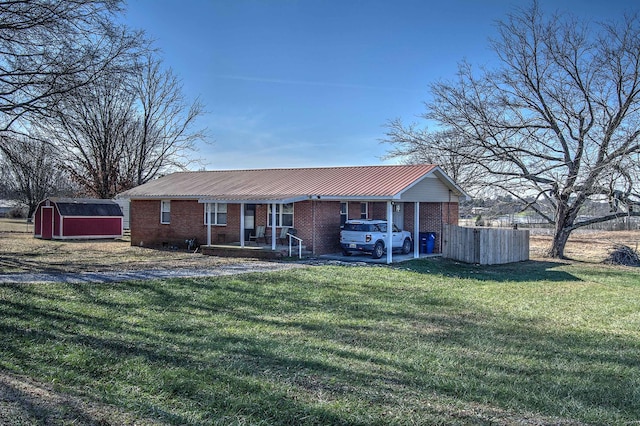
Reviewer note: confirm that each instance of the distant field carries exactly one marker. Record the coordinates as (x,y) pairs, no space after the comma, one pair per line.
(15,225)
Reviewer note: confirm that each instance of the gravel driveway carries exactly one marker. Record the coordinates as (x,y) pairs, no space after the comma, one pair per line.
(119,276)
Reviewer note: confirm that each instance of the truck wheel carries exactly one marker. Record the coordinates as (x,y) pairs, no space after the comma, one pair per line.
(406,246)
(378,250)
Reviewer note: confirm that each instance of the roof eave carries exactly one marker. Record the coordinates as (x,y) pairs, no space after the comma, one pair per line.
(228,200)
(356,197)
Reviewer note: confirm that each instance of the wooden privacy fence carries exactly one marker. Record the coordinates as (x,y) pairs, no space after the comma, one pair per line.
(486,246)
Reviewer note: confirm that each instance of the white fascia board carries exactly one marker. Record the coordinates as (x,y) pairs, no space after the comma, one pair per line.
(355,198)
(164,197)
(68,216)
(253,201)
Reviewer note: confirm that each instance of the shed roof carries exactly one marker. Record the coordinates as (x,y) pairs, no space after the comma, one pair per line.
(288,185)
(86,207)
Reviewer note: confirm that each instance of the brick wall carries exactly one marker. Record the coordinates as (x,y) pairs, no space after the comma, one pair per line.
(326,238)
(355,208)
(432,217)
(187,221)
(325,215)
(378,210)
(317,222)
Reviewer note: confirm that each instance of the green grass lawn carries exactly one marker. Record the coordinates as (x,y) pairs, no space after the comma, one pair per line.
(429,342)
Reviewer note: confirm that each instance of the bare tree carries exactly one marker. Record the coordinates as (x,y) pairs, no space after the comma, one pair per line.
(50,47)
(31,173)
(124,129)
(91,131)
(558,121)
(165,134)
(446,148)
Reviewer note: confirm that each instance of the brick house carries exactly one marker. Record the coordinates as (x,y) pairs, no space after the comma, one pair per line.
(228,206)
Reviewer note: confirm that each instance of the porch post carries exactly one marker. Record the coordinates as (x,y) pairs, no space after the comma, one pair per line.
(416,229)
(207,208)
(242,225)
(273,226)
(389,242)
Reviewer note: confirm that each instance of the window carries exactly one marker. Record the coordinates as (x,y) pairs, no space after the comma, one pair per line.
(165,211)
(364,210)
(216,212)
(284,214)
(344,213)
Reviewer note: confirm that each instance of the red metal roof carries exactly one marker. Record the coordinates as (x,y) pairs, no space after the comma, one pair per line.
(285,184)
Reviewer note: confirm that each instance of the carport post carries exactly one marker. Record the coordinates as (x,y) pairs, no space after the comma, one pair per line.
(416,229)
(273,226)
(207,208)
(389,242)
(242,225)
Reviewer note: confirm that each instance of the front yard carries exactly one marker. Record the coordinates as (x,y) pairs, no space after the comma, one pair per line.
(430,342)
(424,342)
(20,252)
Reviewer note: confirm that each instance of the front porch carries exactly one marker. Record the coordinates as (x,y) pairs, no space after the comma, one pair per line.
(265,252)
(253,251)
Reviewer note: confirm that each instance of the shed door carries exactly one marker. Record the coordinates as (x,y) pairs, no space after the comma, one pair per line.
(46,221)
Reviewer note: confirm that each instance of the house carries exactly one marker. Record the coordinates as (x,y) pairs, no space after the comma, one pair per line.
(5,207)
(228,206)
(77,218)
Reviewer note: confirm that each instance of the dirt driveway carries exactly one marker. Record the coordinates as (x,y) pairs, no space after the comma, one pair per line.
(23,253)
(115,260)
(26,259)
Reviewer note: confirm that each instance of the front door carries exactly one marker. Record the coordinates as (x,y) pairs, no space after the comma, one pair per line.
(46,222)
(249,220)
(398,215)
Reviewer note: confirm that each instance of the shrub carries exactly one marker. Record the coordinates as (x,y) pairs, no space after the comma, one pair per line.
(17,213)
(623,255)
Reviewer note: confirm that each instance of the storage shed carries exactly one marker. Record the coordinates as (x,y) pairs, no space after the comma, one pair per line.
(77,218)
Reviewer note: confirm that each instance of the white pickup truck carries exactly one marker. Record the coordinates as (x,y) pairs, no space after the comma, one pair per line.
(369,235)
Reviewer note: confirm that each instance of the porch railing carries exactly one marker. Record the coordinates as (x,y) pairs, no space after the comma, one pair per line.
(299,240)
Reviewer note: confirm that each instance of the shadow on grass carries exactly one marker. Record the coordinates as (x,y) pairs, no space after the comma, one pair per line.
(310,347)
(531,270)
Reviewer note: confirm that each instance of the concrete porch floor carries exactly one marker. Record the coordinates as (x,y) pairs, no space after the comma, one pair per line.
(251,250)
(262,251)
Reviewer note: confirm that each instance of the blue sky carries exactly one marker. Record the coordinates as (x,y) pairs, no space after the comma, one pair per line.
(305,83)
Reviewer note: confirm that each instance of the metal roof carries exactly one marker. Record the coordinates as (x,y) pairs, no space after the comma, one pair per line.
(288,185)
(86,207)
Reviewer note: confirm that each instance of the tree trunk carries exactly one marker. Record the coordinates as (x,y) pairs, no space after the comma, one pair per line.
(559,241)
(565,217)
